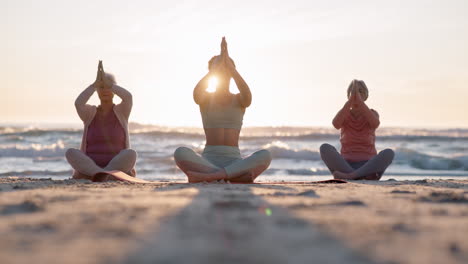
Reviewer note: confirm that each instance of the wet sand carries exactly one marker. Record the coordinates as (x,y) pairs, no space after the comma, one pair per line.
(68,221)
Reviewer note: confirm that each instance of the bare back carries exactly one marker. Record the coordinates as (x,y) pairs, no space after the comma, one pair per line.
(222,136)
(222,120)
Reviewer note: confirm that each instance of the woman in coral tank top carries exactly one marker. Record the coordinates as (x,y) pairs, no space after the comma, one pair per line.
(358,159)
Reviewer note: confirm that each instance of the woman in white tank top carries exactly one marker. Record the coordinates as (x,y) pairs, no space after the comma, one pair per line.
(222,114)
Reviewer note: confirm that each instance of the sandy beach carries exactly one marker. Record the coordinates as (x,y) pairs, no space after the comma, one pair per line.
(69,221)
(289,93)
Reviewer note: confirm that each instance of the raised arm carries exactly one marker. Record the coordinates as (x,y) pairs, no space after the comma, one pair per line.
(83,109)
(245,96)
(125,106)
(200,94)
(341,115)
(371,116)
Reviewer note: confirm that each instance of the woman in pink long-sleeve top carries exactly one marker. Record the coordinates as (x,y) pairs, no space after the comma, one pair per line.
(357,122)
(105,145)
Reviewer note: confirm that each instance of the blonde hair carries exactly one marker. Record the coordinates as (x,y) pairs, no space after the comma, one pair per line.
(363,86)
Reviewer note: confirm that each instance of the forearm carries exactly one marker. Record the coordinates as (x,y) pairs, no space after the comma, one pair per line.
(125,95)
(125,107)
(84,96)
(245,94)
(370,116)
(341,116)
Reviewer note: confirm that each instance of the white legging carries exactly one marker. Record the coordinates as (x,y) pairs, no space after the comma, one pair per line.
(124,161)
(224,157)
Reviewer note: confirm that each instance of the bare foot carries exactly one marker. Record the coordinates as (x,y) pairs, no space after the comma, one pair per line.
(372,177)
(194,176)
(344,175)
(80,176)
(244,178)
(112,178)
(100,177)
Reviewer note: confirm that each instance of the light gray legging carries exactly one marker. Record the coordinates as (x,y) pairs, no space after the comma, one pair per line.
(217,157)
(335,162)
(124,161)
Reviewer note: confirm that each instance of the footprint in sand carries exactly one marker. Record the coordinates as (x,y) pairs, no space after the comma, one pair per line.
(444,197)
(401,191)
(404,228)
(350,203)
(309,193)
(28,206)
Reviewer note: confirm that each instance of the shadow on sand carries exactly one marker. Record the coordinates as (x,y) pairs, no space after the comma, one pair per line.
(230,224)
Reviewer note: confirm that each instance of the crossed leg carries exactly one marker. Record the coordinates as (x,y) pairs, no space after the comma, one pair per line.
(198,169)
(192,163)
(339,167)
(86,168)
(333,159)
(248,169)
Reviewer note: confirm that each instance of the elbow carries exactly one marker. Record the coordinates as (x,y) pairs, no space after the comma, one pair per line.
(77,103)
(129,102)
(196,99)
(336,124)
(195,95)
(246,99)
(126,96)
(246,103)
(376,123)
(199,97)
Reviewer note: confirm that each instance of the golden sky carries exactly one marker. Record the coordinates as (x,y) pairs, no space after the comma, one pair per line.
(298,57)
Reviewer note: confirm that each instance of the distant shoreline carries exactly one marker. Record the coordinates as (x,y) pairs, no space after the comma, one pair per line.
(79,125)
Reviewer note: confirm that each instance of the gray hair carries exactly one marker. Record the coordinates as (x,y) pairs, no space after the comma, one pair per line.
(111,77)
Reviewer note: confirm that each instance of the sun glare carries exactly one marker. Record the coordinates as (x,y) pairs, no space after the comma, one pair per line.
(212,84)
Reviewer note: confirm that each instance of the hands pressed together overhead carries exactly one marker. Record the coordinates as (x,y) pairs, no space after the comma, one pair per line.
(102,81)
(355,98)
(224,62)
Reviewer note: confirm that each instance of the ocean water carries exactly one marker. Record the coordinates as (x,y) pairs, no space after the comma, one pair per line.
(38,151)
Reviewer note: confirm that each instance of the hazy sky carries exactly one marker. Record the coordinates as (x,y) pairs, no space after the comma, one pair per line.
(298,57)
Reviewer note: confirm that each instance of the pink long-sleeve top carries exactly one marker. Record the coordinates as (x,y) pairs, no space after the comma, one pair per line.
(357,139)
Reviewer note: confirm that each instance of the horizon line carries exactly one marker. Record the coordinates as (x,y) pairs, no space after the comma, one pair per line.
(74,124)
